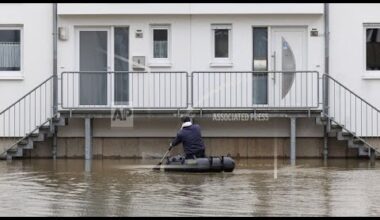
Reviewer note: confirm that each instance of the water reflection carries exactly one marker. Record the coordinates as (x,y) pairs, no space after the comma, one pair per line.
(130,188)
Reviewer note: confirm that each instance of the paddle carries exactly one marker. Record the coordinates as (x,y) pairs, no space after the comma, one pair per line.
(159,164)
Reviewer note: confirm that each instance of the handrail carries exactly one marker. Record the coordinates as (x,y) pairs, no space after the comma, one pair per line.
(24,117)
(35,88)
(339,83)
(351,112)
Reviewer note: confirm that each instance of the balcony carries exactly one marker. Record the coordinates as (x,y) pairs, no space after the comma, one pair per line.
(199,91)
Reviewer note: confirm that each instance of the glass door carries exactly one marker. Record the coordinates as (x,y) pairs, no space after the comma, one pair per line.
(121,66)
(93,56)
(260,63)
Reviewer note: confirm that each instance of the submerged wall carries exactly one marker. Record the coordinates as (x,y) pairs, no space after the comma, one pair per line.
(156,147)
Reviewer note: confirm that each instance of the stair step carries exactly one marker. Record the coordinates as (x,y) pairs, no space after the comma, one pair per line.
(39,137)
(27,146)
(355,143)
(15,152)
(47,127)
(336,126)
(344,135)
(12,150)
(363,152)
(24,142)
(33,135)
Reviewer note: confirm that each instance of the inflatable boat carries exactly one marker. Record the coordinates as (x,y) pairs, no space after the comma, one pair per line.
(206,164)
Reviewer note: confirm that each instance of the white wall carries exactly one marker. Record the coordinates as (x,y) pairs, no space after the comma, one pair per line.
(183,8)
(191,45)
(37,46)
(347,48)
(348,62)
(191,37)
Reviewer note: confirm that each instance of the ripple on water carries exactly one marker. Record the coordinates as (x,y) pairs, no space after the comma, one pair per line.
(131,188)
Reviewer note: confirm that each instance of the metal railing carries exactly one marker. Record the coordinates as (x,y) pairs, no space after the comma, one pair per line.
(255,89)
(138,90)
(28,113)
(198,90)
(351,112)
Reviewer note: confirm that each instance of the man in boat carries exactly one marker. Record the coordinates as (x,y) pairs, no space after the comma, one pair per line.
(190,137)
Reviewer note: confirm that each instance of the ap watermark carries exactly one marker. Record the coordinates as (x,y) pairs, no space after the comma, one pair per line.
(121,117)
(240,117)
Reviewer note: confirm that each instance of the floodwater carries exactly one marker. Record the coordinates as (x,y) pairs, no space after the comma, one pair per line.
(130,188)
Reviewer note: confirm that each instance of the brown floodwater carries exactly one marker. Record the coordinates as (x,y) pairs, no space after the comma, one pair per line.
(129,187)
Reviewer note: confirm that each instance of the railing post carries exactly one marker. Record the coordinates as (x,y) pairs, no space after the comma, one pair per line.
(189,89)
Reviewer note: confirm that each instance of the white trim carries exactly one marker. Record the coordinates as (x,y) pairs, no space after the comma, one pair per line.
(223,61)
(159,62)
(13,77)
(375,74)
(18,74)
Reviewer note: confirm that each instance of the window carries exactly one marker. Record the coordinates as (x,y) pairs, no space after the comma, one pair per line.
(10,50)
(221,44)
(160,43)
(260,63)
(121,63)
(372,49)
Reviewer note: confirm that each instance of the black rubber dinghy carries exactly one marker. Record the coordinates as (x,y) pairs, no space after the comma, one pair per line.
(206,164)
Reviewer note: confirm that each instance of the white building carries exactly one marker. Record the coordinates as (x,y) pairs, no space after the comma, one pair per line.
(189,59)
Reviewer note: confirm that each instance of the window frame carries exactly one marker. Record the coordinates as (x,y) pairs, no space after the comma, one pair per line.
(368,74)
(221,61)
(159,62)
(17,74)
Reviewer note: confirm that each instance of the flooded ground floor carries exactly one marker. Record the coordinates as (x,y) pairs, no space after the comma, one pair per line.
(155,147)
(129,187)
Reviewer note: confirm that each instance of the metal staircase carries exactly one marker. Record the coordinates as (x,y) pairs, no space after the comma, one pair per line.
(350,118)
(30,119)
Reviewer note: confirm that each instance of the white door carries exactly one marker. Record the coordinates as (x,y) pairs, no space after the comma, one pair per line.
(94,55)
(288,53)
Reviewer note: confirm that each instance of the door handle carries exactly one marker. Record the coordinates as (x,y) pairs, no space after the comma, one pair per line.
(274,66)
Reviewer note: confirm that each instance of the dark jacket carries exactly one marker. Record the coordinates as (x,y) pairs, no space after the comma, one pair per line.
(191,139)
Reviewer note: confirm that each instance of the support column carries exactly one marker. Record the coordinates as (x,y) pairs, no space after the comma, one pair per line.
(325,143)
(292,140)
(55,144)
(88,138)
(372,156)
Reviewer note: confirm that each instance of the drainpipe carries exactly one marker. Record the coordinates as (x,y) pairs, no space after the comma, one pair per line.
(55,78)
(325,83)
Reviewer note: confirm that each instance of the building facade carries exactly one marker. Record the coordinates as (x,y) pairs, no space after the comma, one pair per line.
(251,74)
